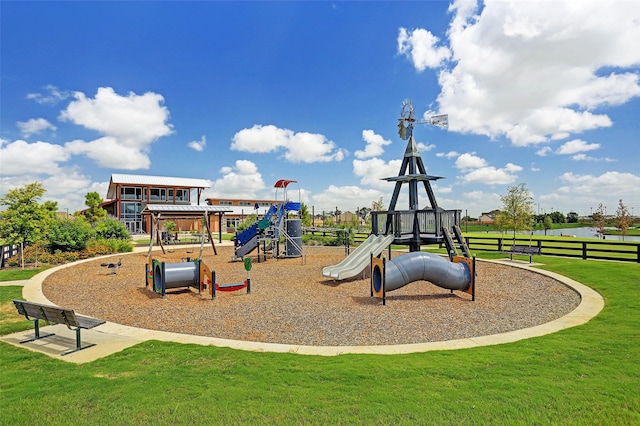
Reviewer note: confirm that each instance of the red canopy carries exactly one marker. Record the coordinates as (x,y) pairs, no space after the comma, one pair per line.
(282,183)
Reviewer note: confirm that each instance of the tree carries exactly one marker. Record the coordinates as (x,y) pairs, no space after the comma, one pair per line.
(378,205)
(547,222)
(572,217)
(24,220)
(557,217)
(305,217)
(599,220)
(517,209)
(363,213)
(623,219)
(94,213)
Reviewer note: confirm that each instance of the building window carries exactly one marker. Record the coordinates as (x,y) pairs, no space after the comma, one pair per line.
(130,211)
(245,203)
(158,194)
(225,203)
(130,193)
(182,195)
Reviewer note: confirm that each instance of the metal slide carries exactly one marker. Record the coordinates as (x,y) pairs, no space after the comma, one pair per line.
(430,267)
(355,263)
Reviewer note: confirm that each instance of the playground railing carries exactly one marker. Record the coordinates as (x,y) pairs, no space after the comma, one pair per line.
(401,223)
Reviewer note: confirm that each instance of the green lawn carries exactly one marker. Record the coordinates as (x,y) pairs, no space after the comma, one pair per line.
(584,375)
(20,274)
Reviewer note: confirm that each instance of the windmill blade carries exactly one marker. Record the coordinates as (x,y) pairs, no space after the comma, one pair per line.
(441,120)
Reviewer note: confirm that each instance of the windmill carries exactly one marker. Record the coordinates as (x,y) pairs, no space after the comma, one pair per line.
(407,120)
(413,172)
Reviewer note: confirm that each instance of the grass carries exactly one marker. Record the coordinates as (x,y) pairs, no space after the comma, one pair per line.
(20,274)
(584,375)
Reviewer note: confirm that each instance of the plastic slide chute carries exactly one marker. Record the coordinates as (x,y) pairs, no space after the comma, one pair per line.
(355,263)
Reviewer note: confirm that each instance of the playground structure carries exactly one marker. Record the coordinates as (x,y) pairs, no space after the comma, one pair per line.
(275,226)
(457,273)
(162,276)
(412,227)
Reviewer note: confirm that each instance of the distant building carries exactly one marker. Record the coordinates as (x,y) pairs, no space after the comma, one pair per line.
(488,218)
(127,194)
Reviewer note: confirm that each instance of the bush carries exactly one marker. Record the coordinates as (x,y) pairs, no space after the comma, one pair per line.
(68,235)
(112,228)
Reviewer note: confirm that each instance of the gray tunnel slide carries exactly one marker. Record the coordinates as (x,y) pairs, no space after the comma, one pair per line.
(416,266)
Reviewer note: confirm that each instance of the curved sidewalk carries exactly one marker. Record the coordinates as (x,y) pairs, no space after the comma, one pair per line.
(112,337)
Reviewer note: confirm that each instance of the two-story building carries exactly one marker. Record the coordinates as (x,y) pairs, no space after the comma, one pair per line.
(127,195)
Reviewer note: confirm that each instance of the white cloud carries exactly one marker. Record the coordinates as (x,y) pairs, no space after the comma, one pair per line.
(34,126)
(52,97)
(301,147)
(421,47)
(530,73)
(583,157)
(575,146)
(424,147)
(450,154)
(130,124)
(470,161)
(620,184)
(107,152)
(198,145)
(23,158)
(583,192)
(240,181)
(374,145)
(542,152)
(372,171)
(346,198)
(491,175)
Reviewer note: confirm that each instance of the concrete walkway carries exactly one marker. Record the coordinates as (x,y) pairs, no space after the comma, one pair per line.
(112,337)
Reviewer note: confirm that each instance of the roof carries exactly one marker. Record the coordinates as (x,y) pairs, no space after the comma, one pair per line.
(184,209)
(282,183)
(120,178)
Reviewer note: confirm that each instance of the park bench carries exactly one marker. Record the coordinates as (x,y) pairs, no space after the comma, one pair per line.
(522,250)
(55,315)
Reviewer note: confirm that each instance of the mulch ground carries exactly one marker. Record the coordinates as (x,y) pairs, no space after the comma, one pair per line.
(291,302)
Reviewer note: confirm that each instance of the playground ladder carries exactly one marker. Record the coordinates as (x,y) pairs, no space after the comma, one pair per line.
(461,241)
(448,242)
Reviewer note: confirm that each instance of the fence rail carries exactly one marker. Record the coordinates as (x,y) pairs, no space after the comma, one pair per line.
(568,247)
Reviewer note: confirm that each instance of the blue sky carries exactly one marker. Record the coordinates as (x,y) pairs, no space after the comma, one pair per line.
(245,93)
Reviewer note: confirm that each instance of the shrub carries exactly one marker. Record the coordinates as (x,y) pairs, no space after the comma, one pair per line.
(68,235)
(112,228)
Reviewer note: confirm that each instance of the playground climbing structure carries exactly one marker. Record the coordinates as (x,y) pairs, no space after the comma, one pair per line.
(276,232)
(414,226)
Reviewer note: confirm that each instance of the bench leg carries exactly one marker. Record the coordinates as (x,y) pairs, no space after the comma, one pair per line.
(79,346)
(36,324)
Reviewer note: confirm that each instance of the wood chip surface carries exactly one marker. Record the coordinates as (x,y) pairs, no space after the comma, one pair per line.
(291,302)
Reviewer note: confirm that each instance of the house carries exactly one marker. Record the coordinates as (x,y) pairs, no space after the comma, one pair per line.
(488,218)
(128,194)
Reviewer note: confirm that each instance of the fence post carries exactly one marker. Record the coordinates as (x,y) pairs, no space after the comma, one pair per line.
(584,250)
(499,243)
